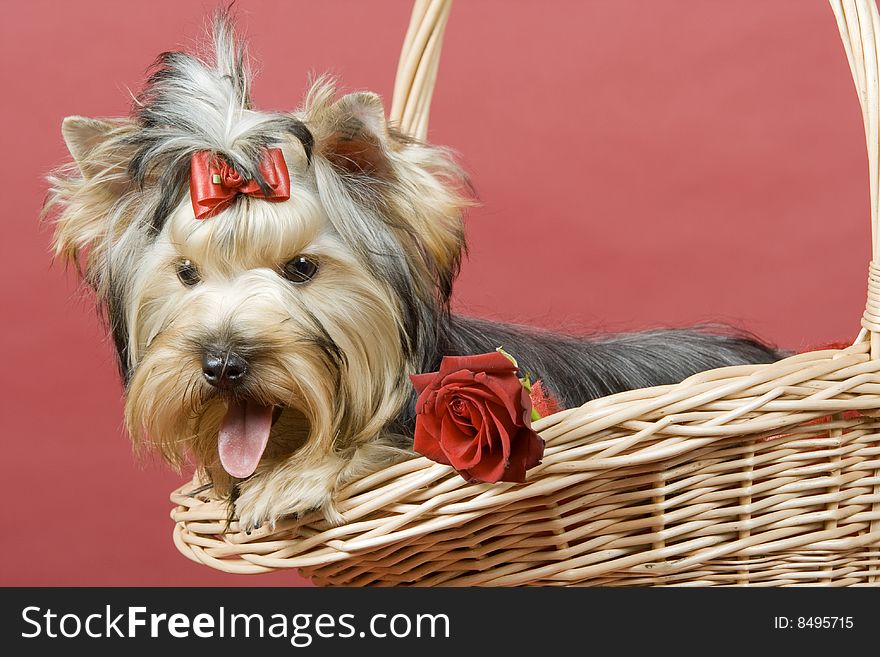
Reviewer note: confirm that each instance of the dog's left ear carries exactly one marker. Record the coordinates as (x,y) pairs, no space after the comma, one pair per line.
(353,135)
(420,188)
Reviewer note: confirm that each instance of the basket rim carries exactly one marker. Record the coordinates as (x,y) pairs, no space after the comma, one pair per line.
(311,543)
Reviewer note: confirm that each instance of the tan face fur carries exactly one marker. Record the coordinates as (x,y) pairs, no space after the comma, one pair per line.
(243,299)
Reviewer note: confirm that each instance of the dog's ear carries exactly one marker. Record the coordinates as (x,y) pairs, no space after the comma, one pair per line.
(420,188)
(82,136)
(84,194)
(353,135)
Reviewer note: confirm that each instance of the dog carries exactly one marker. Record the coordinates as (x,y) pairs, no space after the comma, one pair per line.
(268,335)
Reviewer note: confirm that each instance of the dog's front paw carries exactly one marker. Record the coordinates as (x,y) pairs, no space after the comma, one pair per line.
(273,495)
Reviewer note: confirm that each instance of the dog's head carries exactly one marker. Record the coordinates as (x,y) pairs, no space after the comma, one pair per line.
(312,308)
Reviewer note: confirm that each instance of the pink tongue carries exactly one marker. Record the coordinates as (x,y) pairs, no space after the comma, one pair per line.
(243,436)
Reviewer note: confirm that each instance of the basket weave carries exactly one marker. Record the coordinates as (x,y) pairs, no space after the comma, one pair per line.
(763,475)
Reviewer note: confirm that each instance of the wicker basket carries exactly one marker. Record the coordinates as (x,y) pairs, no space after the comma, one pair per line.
(762,475)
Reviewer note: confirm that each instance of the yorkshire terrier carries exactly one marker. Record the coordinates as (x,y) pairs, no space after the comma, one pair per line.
(270,279)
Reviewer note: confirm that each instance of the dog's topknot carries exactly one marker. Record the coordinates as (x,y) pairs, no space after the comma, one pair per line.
(192,103)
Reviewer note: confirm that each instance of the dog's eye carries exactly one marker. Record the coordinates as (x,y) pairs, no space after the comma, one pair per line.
(300,270)
(187,273)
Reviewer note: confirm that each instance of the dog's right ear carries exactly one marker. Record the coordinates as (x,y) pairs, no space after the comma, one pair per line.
(83,197)
(83,136)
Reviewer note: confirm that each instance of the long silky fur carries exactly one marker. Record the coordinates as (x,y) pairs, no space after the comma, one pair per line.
(381,212)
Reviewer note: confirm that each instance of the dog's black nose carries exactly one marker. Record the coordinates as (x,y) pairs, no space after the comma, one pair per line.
(223,368)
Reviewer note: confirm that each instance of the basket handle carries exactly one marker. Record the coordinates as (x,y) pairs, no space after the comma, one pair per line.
(417,69)
(859,27)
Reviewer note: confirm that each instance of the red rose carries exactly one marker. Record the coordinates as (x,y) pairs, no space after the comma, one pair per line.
(475,415)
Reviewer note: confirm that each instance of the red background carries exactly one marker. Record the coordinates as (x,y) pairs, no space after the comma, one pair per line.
(640,163)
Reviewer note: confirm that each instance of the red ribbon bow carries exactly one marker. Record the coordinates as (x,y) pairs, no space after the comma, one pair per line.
(214,183)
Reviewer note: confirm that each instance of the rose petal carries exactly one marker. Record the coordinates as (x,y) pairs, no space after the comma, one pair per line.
(477,416)
(469,423)
(528,454)
(427,444)
(426,412)
(471,447)
(536,450)
(457,379)
(489,470)
(510,392)
(519,455)
(490,362)
(472,394)
(495,439)
(460,448)
(422,381)
(457,406)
